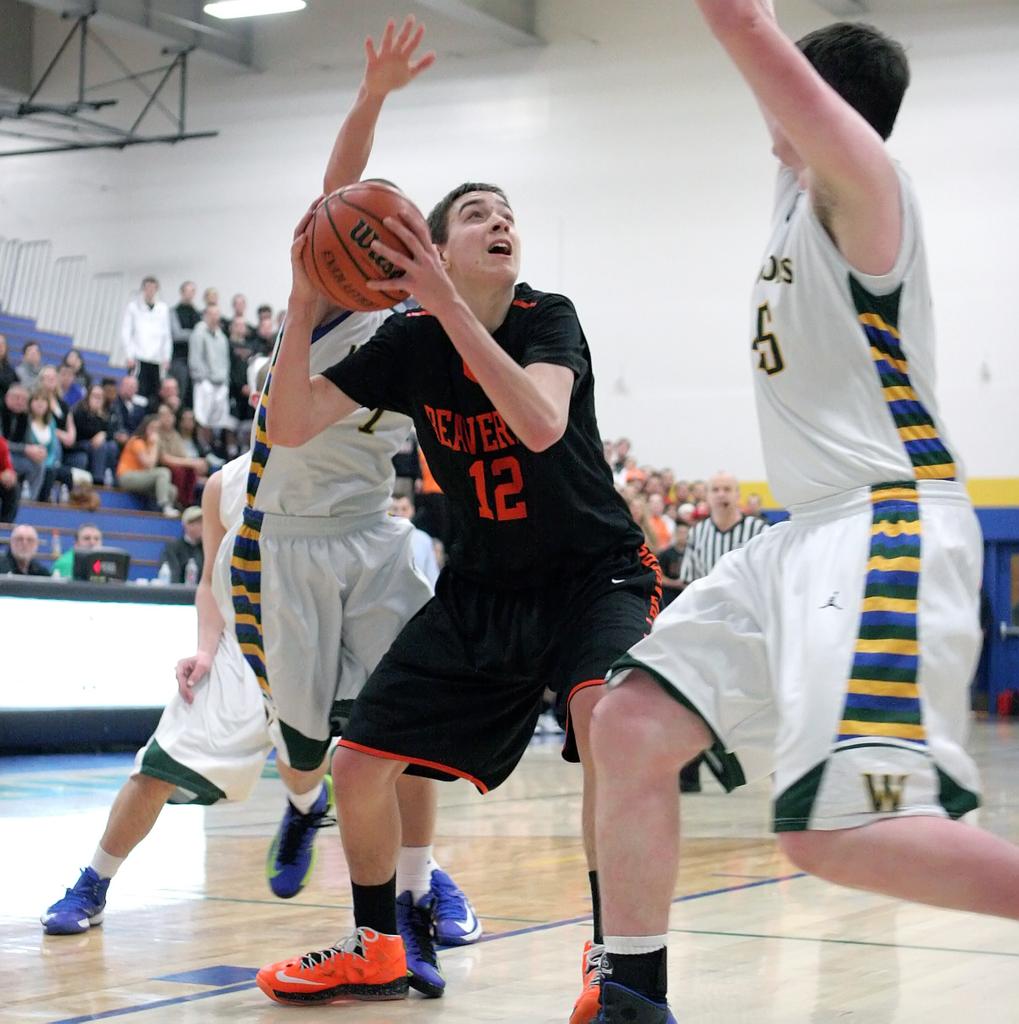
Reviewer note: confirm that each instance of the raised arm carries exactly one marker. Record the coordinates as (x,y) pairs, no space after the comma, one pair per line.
(852,180)
(301,406)
(387,69)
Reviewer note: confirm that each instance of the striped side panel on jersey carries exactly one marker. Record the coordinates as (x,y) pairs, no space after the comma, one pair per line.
(883,699)
(246,594)
(878,316)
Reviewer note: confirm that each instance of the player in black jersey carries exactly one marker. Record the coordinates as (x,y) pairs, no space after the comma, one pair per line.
(548,581)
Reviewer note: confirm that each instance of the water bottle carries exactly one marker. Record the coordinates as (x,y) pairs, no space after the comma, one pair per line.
(191,573)
(55,545)
(163,576)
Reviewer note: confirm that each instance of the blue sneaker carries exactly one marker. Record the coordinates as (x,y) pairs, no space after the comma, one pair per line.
(414,923)
(292,854)
(80,909)
(456,924)
(621,1005)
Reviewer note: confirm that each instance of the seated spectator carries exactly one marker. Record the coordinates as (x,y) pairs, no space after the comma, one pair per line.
(209,364)
(423,545)
(186,472)
(42,431)
(69,390)
(87,538)
(638,510)
(193,447)
(128,410)
(49,383)
(139,472)
(659,524)
(10,492)
(28,458)
(109,386)
(685,513)
(182,559)
(8,375)
(670,559)
(20,559)
(30,365)
(74,360)
(95,451)
(169,394)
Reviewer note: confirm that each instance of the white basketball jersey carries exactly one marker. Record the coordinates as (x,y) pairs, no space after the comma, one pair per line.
(844,361)
(233,496)
(346,470)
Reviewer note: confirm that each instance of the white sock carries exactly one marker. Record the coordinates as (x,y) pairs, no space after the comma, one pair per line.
(414,870)
(105,865)
(634,945)
(305,801)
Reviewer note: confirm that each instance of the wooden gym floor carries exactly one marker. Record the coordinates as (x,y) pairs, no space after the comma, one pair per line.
(190,915)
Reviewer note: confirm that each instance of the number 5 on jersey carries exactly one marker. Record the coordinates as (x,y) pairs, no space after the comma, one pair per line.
(507,482)
(766,344)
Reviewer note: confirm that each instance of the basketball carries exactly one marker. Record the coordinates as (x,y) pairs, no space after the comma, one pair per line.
(338,256)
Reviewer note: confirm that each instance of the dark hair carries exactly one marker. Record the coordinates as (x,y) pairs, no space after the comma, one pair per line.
(147,278)
(869,70)
(108,380)
(30,344)
(143,428)
(265,308)
(438,219)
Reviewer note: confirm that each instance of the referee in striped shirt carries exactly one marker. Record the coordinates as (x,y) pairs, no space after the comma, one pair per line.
(725,529)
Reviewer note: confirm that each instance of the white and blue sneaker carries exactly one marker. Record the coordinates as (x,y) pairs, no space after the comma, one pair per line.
(80,909)
(456,924)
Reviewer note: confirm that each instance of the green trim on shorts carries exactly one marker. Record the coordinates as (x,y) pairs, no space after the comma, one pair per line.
(158,764)
(724,765)
(956,800)
(303,754)
(339,717)
(794,807)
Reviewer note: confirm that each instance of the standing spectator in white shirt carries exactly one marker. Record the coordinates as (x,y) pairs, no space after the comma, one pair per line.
(148,344)
(209,364)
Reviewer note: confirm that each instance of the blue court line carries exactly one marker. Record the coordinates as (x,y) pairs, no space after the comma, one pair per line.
(548,926)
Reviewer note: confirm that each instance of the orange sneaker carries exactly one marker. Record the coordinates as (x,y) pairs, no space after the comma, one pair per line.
(585,1009)
(367,966)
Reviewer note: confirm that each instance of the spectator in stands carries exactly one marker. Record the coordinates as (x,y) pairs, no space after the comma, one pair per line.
(88,537)
(49,383)
(20,559)
(685,513)
(407,467)
(28,458)
(193,447)
(139,472)
(187,472)
(30,365)
(670,559)
(169,394)
(681,492)
(8,375)
(76,361)
(239,311)
(69,390)
(699,498)
(659,524)
(265,329)
(752,506)
(210,297)
(42,431)
(109,386)
(241,351)
(423,545)
(146,337)
(183,318)
(127,411)
(622,453)
(10,492)
(639,512)
(183,558)
(209,363)
(95,450)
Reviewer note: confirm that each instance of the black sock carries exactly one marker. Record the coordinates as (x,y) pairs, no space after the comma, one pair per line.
(640,972)
(375,906)
(592,877)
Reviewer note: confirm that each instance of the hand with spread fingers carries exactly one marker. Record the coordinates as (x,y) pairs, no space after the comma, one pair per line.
(424,276)
(392,65)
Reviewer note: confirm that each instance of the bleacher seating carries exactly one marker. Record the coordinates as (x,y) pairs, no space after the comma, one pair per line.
(123,518)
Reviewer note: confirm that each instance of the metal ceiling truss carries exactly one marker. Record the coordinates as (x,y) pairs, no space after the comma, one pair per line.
(70,115)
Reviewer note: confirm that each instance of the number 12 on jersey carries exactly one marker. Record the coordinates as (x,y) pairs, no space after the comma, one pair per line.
(507,482)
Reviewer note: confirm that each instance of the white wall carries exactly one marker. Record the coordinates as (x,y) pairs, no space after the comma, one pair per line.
(642,181)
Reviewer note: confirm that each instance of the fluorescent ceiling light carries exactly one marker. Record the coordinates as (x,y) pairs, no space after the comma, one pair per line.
(252,8)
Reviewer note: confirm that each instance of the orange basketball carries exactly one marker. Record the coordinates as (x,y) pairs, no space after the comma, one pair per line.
(339,258)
